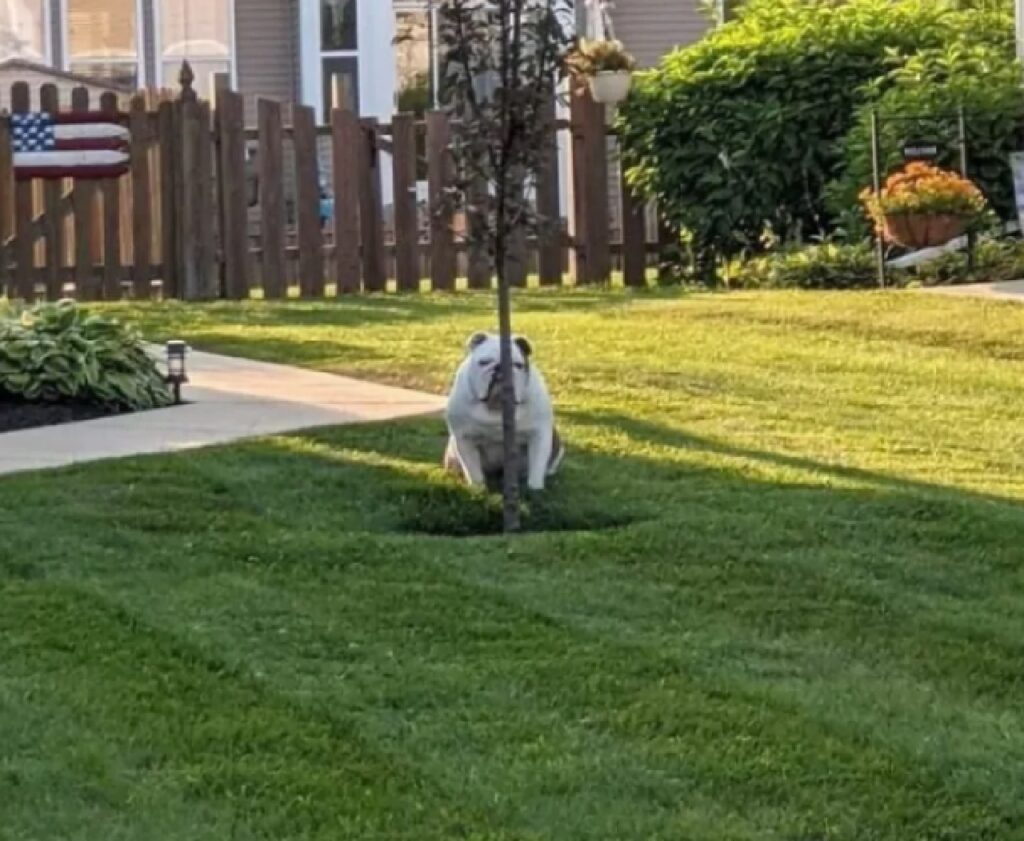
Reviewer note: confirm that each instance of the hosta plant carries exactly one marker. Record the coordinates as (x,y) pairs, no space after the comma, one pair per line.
(58,353)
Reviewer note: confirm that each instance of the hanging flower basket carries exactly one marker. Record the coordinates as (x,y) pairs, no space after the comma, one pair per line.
(922,206)
(606,67)
(923,230)
(610,87)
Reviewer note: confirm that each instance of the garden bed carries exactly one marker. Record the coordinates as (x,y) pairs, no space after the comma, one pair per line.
(15,415)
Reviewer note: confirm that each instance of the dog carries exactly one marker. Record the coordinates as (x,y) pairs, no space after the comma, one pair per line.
(475,444)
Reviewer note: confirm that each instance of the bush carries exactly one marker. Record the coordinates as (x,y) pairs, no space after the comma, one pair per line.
(56,353)
(827,266)
(994,261)
(742,130)
(839,266)
(984,80)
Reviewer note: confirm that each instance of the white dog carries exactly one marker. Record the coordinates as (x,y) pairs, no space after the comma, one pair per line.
(474,415)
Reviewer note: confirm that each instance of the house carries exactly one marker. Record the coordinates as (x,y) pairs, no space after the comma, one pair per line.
(312,51)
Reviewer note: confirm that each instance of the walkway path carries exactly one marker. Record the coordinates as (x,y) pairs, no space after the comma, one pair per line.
(230,399)
(1011,291)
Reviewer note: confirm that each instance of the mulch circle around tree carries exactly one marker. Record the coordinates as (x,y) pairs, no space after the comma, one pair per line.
(15,415)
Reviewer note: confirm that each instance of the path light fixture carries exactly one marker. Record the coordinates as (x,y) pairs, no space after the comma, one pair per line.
(176,374)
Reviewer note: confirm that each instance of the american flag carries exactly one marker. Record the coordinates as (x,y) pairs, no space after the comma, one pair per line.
(83,144)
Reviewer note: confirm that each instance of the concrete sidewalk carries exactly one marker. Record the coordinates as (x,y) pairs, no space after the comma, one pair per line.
(230,399)
(1010,291)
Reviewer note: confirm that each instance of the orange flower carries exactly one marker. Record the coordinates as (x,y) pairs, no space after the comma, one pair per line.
(921,188)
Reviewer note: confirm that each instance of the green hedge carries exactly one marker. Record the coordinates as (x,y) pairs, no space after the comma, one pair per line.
(742,131)
(56,353)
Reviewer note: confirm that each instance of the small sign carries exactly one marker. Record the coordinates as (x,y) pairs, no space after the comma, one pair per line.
(920,150)
(1017,165)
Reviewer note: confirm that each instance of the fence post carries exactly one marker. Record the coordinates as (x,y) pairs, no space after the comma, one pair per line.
(590,182)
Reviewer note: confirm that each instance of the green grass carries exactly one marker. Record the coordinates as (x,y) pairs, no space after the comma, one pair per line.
(809,629)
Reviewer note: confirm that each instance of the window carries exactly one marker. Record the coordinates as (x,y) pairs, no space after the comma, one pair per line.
(102,40)
(339,58)
(21,29)
(199,31)
(338,24)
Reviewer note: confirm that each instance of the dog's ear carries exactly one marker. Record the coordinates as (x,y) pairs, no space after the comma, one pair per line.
(474,341)
(524,346)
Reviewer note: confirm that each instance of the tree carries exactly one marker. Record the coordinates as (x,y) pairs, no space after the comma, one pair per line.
(503,62)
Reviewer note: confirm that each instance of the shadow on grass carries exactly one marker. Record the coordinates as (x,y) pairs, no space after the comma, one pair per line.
(363,310)
(658,434)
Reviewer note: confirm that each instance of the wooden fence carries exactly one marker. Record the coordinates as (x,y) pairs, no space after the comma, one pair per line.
(186,221)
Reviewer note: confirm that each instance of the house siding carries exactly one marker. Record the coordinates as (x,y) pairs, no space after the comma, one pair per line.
(267,51)
(651,28)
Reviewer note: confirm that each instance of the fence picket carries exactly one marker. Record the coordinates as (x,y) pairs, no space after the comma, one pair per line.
(142,224)
(407,234)
(24,211)
(167,135)
(111,218)
(371,209)
(439,182)
(634,238)
(346,137)
(270,166)
(307,176)
(53,219)
(234,214)
(82,201)
(551,237)
(6,202)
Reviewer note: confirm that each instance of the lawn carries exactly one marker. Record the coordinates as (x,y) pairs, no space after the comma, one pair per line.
(799,619)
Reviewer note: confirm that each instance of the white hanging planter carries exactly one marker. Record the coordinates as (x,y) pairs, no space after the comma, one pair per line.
(610,87)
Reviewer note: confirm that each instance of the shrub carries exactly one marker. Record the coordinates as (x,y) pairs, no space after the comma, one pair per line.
(842,266)
(825,266)
(994,261)
(55,352)
(984,80)
(742,129)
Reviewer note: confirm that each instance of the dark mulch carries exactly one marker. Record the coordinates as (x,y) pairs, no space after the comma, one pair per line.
(16,415)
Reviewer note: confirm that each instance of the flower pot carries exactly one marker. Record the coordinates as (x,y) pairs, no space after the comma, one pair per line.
(923,230)
(609,87)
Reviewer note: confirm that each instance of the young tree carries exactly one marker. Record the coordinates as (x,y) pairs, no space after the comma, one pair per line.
(503,63)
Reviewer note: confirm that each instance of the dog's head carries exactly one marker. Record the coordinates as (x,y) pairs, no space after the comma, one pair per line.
(484,367)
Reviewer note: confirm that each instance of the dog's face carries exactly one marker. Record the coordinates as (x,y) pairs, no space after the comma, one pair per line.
(484,368)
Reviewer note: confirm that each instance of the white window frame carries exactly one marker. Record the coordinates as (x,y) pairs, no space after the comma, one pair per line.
(374,54)
(158,48)
(140,43)
(47,45)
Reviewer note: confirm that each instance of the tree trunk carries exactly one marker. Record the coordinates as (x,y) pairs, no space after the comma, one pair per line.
(510,481)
